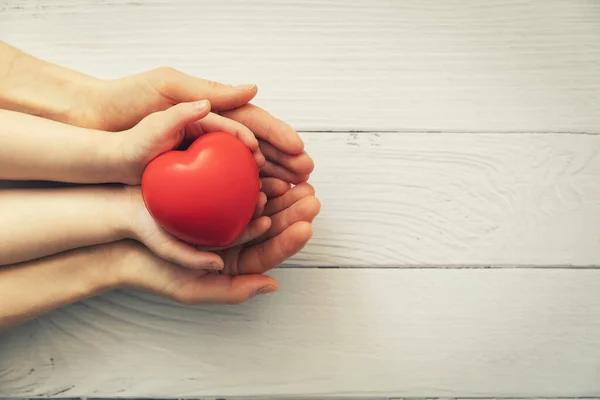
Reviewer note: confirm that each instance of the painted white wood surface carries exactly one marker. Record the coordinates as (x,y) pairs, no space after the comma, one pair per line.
(389,199)
(404,199)
(348,333)
(459,65)
(502,186)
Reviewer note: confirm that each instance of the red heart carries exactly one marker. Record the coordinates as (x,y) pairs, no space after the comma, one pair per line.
(205,195)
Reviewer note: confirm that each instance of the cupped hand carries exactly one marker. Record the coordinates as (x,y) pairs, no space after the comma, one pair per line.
(291,210)
(120,104)
(141,226)
(167,130)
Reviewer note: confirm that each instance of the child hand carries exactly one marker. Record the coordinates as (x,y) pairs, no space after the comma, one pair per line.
(166,130)
(243,276)
(142,227)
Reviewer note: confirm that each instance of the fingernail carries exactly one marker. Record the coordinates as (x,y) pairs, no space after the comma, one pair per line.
(201,105)
(214,265)
(245,87)
(266,289)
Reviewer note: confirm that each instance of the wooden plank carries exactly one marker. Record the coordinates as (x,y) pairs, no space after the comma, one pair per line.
(459,65)
(347,333)
(455,199)
(431,200)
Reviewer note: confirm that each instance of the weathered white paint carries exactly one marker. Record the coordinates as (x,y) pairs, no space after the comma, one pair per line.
(348,333)
(501,199)
(393,199)
(461,65)
(389,199)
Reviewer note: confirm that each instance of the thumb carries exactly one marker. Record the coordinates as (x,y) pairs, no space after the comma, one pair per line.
(175,118)
(180,253)
(166,127)
(180,87)
(225,289)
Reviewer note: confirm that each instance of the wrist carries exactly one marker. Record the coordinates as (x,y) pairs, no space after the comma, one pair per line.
(118,203)
(37,87)
(112,157)
(102,276)
(123,260)
(129,206)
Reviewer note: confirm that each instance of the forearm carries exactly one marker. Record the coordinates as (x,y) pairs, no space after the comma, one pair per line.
(30,289)
(34,148)
(39,222)
(34,86)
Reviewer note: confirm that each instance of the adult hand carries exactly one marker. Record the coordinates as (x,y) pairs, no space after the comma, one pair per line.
(140,225)
(120,104)
(34,86)
(87,271)
(242,278)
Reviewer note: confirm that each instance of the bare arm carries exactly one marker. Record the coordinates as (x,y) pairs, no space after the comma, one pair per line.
(37,287)
(37,87)
(33,148)
(39,222)
(34,86)
(32,288)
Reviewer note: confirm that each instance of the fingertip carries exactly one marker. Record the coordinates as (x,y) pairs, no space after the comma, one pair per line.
(268,289)
(311,205)
(247,286)
(262,198)
(208,261)
(308,164)
(265,223)
(249,91)
(216,265)
(298,179)
(302,230)
(259,158)
(201,105)
(294,144)
(248,139)
(259,227)
(275,187)
(307,188)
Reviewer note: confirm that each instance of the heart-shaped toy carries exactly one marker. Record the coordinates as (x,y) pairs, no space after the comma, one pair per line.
(205,195)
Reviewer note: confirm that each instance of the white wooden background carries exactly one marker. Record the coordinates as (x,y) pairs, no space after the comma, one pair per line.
(458,163)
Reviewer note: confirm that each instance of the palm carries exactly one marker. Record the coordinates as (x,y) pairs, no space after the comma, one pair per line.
(122,103)
(245,265)
(243,273)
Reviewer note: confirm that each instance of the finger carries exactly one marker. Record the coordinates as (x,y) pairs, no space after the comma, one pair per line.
(281,203)
(175,118)
(267,127)
(274,187)
(195,130)
(259,158)
(277,171)
(186,255)
(180,87)
(260,205)
(299,164)
(262,257)
(304,210)
(225,289)
(215,123)
(255,229)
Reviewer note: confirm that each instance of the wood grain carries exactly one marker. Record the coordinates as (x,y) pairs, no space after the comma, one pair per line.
(347,333)
(438,200)
(460,65)
(455,199)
